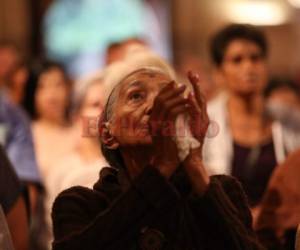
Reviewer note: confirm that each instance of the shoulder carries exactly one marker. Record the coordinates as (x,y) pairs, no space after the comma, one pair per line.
(76,199)
(80,199)
(12,112)
(217,103)
(74,209)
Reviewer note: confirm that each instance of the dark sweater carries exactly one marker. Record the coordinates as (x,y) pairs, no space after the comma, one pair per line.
(152,213)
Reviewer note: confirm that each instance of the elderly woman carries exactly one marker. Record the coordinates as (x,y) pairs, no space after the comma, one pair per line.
(157,194)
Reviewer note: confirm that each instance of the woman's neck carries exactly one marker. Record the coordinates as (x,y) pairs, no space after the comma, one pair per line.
(135,162)
(89,149)
(52,122)
(246,105)
(249,126)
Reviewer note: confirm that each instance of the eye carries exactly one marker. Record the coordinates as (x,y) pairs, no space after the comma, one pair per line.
(256,57)
(95,104)
(136,96)
(237,59)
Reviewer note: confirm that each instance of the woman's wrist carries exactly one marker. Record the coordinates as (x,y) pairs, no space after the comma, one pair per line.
(165,169)
(196,172)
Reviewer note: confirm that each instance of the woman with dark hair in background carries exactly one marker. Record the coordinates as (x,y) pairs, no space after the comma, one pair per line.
(249,145)
(46,100)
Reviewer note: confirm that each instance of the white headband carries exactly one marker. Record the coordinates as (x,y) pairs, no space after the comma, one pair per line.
(142,59)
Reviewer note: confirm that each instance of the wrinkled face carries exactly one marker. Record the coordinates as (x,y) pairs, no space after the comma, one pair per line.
(52,94)
(92,104)
(244,68)
(132,108)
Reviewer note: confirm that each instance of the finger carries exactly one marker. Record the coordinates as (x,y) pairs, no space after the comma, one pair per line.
(179,100)
(177,110)
(195,111)
(169,105)
(164,94)
(194,107)
(177,90)
(195,81)
(162,104)
(193,77)
(200,100)
(167,88)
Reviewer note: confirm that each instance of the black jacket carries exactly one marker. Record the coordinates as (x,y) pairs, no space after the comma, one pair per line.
(151,213)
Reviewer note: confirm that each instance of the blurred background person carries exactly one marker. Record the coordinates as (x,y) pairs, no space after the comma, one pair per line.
(117,51)
(16,83)
(9,58)
(13,72)
(298,238)
(47,100)
(249,145)
(283,102)
(15,133)
(80,167)
(16,136)
(279,213)
(12,202)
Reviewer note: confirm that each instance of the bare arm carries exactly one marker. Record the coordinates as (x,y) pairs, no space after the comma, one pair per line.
(18,224)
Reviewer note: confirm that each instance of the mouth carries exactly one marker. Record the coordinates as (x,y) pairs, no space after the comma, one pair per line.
(251,78)
(145,126)
(143,130)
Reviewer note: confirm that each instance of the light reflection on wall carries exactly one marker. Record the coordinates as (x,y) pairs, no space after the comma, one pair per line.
(77,32)
(295,3)
(257,12)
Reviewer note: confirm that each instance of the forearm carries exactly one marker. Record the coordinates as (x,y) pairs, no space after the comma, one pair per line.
(196,172)
(18,225)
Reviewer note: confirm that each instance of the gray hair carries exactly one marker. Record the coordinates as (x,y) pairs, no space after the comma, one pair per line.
(81,88)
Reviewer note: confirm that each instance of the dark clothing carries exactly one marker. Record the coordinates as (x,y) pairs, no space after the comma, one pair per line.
(10,188)
(253,167)
(152,213)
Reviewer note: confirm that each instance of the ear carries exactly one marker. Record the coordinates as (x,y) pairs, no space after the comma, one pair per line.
(107,138)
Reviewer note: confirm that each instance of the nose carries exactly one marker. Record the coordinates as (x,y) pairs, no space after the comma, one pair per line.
(149,105)
(247,63)
(148,110)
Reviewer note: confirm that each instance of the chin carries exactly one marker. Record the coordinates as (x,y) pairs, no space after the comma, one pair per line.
(138,141)
(248,91)
(145,141)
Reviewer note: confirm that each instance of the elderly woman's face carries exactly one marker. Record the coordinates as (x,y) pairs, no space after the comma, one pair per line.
(132,109)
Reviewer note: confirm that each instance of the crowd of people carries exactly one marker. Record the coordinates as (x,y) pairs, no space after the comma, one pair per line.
(139,156)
